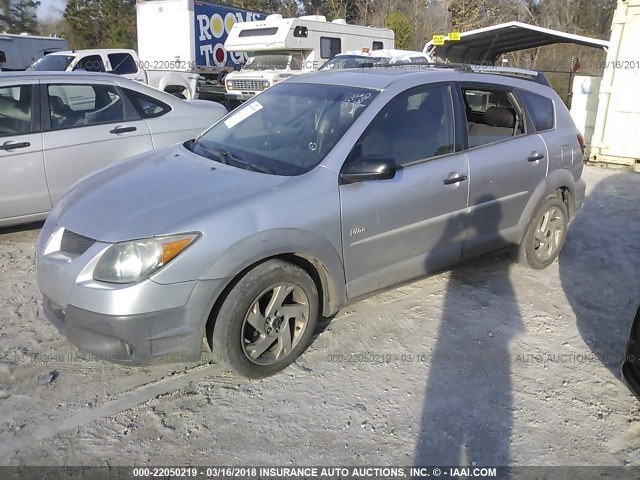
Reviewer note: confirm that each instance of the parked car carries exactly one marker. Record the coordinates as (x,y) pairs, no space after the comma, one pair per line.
(317,192)
(377,58)
(631,365)
(56,128)
(120,61)
(165,76)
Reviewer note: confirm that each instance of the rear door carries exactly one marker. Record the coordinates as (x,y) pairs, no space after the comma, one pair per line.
(398,229)
(507,161)
(23,183)
(89,126)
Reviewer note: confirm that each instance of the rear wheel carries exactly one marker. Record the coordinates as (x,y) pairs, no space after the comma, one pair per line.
(267,319)
(546,233)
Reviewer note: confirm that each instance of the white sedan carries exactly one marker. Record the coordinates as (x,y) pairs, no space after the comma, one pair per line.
(56,128)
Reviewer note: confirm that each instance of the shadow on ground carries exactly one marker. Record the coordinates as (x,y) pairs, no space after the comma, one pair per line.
(604,289)
(467,415)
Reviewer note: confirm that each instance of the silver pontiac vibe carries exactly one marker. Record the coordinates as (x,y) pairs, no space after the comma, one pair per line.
(315,193)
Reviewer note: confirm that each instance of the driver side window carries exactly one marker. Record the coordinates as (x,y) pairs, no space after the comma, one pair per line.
(415,126)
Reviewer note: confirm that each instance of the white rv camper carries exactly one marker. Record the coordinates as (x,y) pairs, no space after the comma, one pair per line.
(278,48)
(17,52)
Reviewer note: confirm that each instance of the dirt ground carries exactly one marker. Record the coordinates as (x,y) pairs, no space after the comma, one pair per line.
(488,364)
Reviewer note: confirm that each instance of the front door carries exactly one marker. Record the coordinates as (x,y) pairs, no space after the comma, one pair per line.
(23,183)
(399,229)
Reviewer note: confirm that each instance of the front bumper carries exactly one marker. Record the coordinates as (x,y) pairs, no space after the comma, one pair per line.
(135,324)
(128,339)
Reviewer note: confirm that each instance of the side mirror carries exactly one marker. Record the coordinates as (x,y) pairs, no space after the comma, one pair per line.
(368,168)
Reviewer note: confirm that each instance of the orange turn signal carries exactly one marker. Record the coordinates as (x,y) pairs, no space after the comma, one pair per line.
(171,249)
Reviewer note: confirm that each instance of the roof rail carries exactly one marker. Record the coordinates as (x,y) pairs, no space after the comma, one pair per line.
(454,66)
(521,73)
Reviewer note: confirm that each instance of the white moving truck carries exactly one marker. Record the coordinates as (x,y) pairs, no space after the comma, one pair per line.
(182,41)
(17,52)
(616,135)
(278,48)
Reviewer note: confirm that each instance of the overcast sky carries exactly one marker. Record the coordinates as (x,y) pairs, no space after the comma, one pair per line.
(48,8)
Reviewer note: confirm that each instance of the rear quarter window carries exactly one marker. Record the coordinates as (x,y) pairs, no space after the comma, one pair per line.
(146,106)
(541,110)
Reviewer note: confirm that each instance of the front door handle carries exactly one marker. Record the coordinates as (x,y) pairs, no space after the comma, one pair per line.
(14,145)
(123,130)
(535,156)
(457,179)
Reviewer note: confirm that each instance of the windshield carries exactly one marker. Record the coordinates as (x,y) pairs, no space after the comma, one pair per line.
(287,130)
(52,63)
(274,61)
(354,61)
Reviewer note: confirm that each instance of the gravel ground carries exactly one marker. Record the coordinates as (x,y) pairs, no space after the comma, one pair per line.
(490,363)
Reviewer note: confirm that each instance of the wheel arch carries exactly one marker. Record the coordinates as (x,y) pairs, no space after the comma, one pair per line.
(559,183)
(318,258)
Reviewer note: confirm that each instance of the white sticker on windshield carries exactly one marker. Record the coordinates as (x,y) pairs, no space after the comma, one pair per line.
(243,114)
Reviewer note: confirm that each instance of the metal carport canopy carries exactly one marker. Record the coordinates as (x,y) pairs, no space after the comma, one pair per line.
(487,44)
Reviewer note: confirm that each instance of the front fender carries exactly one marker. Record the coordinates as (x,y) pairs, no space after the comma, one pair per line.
(305,244)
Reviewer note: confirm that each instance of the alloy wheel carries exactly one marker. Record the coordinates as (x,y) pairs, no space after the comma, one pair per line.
(549,234)
(275,323)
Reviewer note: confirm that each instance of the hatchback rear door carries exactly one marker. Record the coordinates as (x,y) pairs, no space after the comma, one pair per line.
(90,125)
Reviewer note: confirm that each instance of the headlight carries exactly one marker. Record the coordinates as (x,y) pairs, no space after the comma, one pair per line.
(230,85)
(129,262)
(265,84)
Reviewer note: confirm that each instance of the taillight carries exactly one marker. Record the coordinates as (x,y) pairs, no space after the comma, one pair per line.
(581,142)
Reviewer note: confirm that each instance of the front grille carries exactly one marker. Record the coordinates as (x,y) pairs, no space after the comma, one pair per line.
(75,244)
(248,85)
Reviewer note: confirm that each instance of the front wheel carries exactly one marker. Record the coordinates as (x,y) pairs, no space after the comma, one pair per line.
(267,319)
(546,233)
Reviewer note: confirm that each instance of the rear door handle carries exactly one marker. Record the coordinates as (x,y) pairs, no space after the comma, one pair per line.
(456,179)
(535,156)
(123,130)
(14,145)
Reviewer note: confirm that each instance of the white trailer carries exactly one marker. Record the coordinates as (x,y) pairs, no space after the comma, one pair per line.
(616,136)
(278,48)
(17,52)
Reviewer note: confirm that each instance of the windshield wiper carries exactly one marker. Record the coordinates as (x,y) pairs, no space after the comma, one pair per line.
(250,166)
(213,155)
(223,156)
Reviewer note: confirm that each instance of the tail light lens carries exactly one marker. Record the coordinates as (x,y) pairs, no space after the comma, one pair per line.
(581,142)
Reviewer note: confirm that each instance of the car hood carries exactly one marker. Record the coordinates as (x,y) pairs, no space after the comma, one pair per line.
(161,192)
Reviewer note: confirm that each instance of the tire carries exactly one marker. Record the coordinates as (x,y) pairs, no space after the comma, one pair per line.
(267,319)
(545,235)
(179,95)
